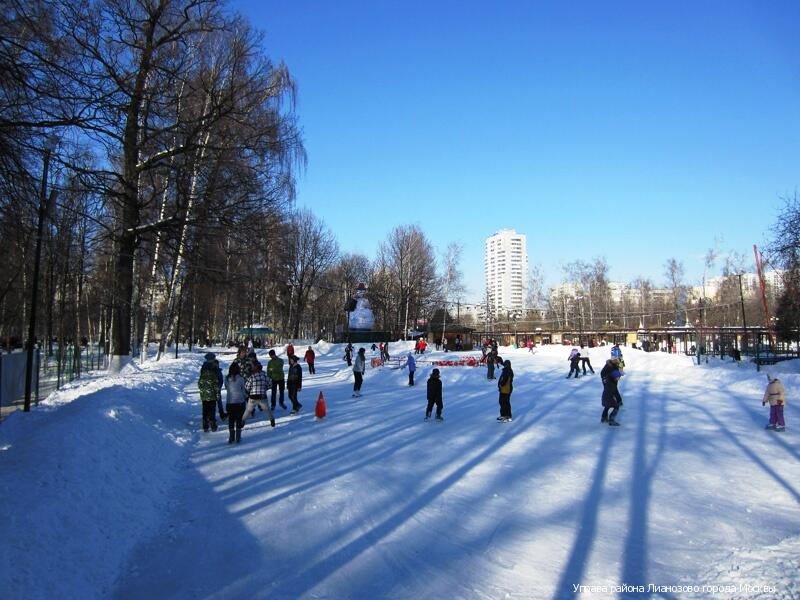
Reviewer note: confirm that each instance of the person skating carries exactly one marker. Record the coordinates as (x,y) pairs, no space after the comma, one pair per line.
(412,367)
(220,384)
(289,349)
(294,382)
(586,362)
(348,354)
(359,367)
(310,357)
(235,402)
(617,353)
(491,358)
(434,395)
(275,373)
(255,387)
(244,362)
(611,398)
(775,394)
(208,385)
(505,386)
(574,359)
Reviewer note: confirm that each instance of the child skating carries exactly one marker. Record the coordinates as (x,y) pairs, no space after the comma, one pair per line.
(775,394)
(434,395)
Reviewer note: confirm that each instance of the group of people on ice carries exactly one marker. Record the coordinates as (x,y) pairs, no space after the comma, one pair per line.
(246,385)
(576,360)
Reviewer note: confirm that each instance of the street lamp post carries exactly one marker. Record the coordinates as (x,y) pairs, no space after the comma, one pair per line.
(48,150)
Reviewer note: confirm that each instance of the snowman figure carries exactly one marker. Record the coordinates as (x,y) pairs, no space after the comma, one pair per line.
(362,319)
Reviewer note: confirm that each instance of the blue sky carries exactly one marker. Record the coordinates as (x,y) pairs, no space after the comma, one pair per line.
(637,131)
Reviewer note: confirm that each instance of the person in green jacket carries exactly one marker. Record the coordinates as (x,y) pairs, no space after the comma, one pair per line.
(275,374)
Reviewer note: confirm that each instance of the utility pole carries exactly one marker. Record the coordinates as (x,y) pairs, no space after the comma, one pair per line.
(744,319)
(43,203)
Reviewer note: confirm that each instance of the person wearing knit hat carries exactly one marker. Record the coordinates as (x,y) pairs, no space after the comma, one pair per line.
(505,386)
(611,398)
(294,383)
(775,394)
(359,367)
(434,395)
(208,386)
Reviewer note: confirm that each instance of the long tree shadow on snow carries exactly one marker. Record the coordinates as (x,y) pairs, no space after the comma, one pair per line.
(327,563)
(636,552)
(176,562)
(581,548)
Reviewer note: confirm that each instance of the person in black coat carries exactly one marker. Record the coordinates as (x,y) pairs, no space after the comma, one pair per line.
(434,395)
(505,385)
(348,354)
(294,382)
(611,398)
(574,359)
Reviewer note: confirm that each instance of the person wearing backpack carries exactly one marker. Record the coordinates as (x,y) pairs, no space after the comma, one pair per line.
(505,385)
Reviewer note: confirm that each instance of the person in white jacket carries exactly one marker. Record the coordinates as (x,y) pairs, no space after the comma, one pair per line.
(359,367)
(236,397)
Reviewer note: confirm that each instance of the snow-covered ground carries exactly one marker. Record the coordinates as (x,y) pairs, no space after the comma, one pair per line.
(109,489)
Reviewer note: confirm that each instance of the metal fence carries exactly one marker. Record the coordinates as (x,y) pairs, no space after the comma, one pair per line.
(51,372)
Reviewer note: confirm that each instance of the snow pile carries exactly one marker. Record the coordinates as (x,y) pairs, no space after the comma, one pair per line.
(88,474)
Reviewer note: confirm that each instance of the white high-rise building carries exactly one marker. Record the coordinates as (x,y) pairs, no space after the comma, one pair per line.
(506,266)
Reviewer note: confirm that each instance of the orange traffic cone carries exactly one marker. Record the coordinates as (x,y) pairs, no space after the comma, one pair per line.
(319,411)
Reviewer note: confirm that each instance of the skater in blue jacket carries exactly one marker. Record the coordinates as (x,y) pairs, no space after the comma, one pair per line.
(412,367)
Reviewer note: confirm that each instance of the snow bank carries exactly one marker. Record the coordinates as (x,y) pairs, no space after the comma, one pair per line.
(86,475)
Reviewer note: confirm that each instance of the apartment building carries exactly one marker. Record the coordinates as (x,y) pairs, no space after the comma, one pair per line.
(506,270)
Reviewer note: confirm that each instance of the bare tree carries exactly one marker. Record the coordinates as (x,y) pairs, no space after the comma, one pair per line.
(784,251)
(312,250)
(644,287)
(452,281)
(536,297)
(673,272)
(410,262)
